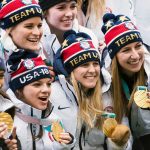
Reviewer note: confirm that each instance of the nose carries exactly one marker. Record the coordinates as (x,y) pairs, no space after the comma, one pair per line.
(36,31)
(45,89)
(91,68)
(135,54)
(69,12)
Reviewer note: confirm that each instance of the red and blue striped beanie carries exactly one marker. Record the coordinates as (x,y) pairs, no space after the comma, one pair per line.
(24,68)
(119,31)
(13,12)
(77,49)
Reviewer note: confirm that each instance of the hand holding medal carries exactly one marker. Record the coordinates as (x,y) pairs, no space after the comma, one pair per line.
(109,124)
(118,133)
(6,119)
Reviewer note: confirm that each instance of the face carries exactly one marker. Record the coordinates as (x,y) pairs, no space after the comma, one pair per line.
(131,57)
(1,78)
(88,74)
(60,17)
(36,94)
(27,34)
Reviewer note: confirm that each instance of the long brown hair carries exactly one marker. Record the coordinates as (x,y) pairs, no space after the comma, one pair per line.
(120,103)
(90,103)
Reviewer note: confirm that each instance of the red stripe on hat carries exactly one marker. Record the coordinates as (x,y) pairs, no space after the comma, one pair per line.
(12,6)
(114,32)
(37,62)
(73,49)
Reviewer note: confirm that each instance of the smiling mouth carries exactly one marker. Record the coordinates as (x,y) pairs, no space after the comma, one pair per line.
(34,41)
(44,99)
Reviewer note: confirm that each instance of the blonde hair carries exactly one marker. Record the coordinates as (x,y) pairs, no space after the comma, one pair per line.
(95,10)
(90,104)
(120,103)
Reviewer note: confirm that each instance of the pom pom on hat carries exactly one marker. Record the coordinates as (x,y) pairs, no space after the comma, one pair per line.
(119,31)
(77,49)
(13,12)
(46,4)
(25,68)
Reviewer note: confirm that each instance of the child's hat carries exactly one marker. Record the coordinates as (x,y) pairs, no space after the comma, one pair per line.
(119,31)
(77,49)
(13,12)
(25,68)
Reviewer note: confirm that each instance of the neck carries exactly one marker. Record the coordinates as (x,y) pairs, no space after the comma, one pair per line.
(58,33)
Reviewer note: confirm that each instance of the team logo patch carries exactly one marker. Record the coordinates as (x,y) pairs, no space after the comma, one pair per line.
(26,2)
(29,64)
(129,25)
(84,44)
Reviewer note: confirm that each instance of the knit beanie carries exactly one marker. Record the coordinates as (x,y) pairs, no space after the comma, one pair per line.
(24,68)
(13,12)
(77,49)
(46,4)
(119,31)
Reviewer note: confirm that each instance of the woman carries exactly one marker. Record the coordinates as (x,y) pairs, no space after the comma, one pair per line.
(79,101)
(60,16)
(129,69)
(30,88)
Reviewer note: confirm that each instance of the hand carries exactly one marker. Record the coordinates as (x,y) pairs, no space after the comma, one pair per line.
(3,130)
(12,143)
(120,135)
(66,138)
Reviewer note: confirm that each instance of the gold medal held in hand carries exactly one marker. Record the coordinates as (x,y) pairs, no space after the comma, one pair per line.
(57,128)
(109,126)
(7,119)
(141,98)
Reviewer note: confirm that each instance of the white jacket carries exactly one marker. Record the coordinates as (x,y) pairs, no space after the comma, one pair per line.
(25,114)
(65,105)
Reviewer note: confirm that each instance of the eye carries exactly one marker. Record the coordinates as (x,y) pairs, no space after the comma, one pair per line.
(73,6)
(36,84)
(125,50)
(139,45)
(49,84)
(40,25)
(85,65)
(28,25)
(96,63)
(61,7)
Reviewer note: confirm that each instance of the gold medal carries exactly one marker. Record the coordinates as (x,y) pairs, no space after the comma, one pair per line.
(7,119)
(56,130)
(109,126)
(141,98)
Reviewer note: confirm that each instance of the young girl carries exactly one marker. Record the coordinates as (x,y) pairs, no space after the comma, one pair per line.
(80,102)
(60,16)
(30,88)
(129,69)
